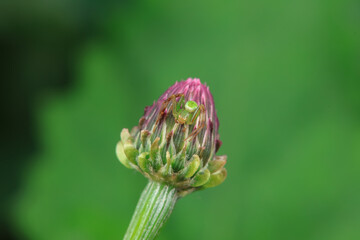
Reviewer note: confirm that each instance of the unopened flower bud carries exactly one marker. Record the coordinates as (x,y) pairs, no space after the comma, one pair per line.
(176,140)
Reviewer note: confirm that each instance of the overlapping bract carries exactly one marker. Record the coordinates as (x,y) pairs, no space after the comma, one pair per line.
(167,150)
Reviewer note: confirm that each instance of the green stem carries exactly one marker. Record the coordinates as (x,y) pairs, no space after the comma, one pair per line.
(153,209)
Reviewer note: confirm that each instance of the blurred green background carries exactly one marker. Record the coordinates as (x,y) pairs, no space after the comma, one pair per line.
(285,79)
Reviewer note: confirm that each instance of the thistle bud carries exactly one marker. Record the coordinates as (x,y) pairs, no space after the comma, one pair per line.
(176,140)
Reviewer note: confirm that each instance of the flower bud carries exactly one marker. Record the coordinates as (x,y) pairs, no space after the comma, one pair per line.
(176,140)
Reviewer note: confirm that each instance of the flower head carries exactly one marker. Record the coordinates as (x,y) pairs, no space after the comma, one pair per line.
(176,139)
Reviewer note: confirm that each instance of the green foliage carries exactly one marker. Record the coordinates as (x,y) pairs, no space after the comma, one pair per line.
(285,80)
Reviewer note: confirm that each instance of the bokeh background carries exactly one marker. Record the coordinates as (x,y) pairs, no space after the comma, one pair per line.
(285,78)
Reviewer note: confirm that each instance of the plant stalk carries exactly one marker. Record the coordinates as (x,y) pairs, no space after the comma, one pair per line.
(153,209)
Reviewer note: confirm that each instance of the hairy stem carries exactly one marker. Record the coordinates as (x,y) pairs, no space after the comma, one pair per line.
(153,209)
